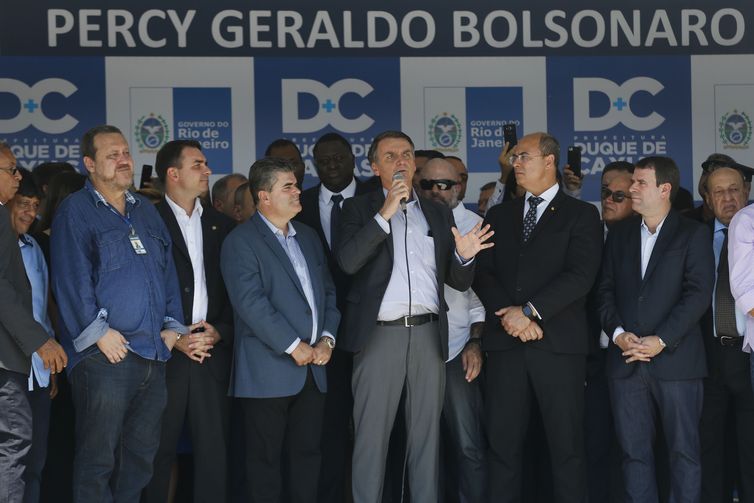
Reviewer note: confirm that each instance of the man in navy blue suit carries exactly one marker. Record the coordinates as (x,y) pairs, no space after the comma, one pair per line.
(285,318)
(657,278)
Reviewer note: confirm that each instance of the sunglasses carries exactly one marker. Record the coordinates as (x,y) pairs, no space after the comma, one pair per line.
(441,184)
(617,196)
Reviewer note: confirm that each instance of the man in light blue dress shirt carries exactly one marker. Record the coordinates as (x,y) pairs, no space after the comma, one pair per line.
(23,211)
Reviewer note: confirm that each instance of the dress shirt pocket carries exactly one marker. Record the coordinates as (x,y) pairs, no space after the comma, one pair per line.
(160,248)
(113,248)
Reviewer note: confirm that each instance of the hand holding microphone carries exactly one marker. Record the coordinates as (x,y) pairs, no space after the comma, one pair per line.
(397,196)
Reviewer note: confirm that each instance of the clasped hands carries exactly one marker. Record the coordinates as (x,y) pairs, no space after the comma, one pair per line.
(304,354)
(515,323)
(638,349)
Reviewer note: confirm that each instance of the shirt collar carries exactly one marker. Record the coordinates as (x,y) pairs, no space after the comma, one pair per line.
(24,240)
(547,195)
(657,231)
(99,198)
(719,226)
(275,230)
(198,208)
(325,194)
(459,211)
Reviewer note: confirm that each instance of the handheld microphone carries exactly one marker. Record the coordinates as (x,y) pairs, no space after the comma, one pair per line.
(399,176)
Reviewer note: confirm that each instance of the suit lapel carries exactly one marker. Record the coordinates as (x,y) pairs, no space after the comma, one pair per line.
(272,242)
(663,240)
(175,231)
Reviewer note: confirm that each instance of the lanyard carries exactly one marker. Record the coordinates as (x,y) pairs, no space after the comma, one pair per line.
(126,218)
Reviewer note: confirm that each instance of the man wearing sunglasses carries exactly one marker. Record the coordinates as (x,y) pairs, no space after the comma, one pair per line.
(462,408)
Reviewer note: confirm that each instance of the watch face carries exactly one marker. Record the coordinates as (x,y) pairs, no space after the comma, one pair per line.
(527,311)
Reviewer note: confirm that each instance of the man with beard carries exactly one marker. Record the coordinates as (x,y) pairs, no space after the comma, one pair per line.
(117,291)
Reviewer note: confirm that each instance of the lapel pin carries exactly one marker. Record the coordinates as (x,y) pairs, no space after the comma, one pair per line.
(552,208)
(214,227)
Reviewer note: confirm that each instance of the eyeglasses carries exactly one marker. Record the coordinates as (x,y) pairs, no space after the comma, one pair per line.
(12,170)
(524,158)
(618,196)
(441,184)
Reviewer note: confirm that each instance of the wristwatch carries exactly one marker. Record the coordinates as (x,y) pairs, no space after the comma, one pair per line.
(528,312)
(329,341)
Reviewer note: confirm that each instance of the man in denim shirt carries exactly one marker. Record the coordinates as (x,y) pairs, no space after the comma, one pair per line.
(117,291)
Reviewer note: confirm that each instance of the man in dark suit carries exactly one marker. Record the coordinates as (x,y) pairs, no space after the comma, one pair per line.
(285,321)
(395,317)
(20,336)
(657,280)
(197,373)
(534,285)
(728,410)
(322,205)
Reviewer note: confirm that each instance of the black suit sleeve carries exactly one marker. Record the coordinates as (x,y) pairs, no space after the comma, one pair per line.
(16,318)
(224,321)
(698,283)
(360,236)
(582,264)
(608,308)
(487,284)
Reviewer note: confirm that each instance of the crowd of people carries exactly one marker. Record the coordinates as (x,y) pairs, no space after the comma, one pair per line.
(374,340)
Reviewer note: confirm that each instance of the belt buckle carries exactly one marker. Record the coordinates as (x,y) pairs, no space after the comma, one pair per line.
(727,340)
(405,322)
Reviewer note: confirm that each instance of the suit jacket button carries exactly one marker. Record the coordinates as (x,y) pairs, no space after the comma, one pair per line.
(641,299)
(518,288)
(187,290)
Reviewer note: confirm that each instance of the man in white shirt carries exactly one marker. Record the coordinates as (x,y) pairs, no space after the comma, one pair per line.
(198,372)
(462,409)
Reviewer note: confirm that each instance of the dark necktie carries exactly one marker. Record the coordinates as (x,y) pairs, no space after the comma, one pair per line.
(725,306)
(334,219)
(530,220)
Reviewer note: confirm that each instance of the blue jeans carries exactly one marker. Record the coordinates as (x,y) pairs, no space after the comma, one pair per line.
(118,416)
(462,412)
(636,401)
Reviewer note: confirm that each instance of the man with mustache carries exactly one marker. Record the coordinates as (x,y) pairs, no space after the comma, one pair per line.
(117,291)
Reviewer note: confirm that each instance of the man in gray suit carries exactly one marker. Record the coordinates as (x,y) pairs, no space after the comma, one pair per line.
(285,318)
(20,336)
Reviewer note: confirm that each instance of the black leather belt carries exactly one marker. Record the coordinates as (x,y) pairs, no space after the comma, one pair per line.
(730,341)
(409,321)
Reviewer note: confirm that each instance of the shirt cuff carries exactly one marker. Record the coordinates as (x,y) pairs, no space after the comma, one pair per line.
(462,261)
(383,223)
(92,333)
(169,323)
(617,332)
(325,333)
(290,348)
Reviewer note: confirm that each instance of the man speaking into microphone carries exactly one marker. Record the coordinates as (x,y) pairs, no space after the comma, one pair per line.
(401,249)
